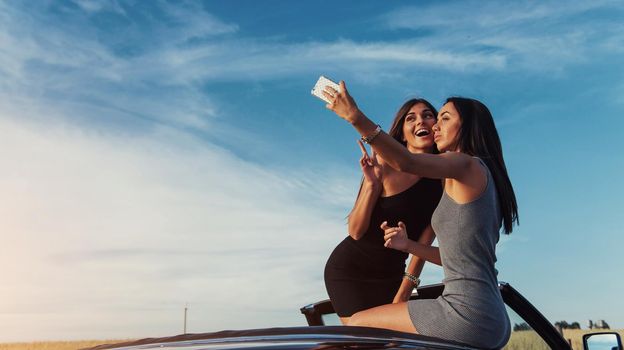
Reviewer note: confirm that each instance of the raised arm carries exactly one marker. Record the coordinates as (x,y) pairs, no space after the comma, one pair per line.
(359,218)
(448,165)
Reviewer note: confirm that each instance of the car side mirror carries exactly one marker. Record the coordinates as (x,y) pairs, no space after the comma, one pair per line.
(602,341)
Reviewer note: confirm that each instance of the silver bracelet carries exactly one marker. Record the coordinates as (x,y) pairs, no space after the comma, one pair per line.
(412,279)
(368,139)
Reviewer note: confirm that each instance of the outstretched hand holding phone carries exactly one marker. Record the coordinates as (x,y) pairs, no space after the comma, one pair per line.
(341,103)
(337,97)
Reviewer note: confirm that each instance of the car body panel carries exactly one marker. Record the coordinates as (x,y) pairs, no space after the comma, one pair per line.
(314,312)
(312,337)
(319,336)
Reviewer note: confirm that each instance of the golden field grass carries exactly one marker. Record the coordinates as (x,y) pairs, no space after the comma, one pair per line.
(57,345)
(523,340)
(530,339)
(576,335)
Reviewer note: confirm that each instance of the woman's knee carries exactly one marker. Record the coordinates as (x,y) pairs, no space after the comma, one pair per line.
(353,320)
(357,319)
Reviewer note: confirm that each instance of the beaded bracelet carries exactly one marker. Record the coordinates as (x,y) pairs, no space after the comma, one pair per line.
(412,278)
(368,139)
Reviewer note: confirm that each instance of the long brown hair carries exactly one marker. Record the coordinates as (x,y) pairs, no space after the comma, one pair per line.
(396,129)
(478,137)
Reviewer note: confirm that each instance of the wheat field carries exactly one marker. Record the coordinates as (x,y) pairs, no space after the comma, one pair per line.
(57,345)
(522,340)
(576,335)
(530,340)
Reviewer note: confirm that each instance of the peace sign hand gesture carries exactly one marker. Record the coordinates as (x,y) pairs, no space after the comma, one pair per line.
(370,167)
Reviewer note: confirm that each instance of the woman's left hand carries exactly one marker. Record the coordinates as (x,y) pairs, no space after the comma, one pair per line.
(395,237)
(342,103)
(371,169)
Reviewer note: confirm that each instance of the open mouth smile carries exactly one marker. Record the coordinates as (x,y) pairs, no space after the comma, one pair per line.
(422,132)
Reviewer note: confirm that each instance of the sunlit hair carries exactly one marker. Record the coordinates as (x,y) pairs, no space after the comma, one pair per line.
(478,137)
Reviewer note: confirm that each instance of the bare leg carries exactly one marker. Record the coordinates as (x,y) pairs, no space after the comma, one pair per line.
(345,320)
(390,316)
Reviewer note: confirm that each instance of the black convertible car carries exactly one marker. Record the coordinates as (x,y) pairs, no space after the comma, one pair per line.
(531,331)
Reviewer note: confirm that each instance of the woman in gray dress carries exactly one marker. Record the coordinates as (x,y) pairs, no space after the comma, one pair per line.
(478,199)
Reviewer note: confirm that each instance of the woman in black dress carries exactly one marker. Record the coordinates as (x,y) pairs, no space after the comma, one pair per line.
(361,273)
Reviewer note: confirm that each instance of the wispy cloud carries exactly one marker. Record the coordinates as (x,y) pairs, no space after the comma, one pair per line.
(527,35)
(239,60)
(194,22)
(113,204)
(117,202)
(180,53)
(482,15)
(110,224)
(65,65)
(90,67)
(94,6)
(94,78)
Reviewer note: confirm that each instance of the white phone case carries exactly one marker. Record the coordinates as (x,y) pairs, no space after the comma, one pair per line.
(320,85)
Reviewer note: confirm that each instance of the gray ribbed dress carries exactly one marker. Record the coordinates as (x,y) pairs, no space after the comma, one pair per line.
(471,309)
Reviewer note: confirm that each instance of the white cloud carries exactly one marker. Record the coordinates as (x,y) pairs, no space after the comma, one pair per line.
(113,211)
(108,235)
(93,6)
(528,35)
(65,59)
(68,66)
(193,21)
(132,217)
(238,60)
(81,72)
(487,15)
(493,38)
(613,38)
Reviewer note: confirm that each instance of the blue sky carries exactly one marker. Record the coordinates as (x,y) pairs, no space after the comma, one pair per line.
(161,153)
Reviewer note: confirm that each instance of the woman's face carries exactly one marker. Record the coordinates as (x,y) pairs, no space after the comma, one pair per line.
(446,130)
(417,128)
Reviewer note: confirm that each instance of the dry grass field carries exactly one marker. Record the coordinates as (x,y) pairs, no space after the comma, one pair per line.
(57,345)
(576,336)
(523,340)
(530,339)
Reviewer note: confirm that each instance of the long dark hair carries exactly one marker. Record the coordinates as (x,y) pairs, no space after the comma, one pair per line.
(396,129)
(478,137)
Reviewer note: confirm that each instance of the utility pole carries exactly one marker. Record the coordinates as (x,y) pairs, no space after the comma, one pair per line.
(185,311)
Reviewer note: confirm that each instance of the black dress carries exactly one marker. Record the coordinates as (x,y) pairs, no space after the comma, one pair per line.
(363,274)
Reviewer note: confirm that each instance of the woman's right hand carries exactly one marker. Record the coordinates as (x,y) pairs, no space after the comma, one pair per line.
(370,168)
(342,103)
(395,237)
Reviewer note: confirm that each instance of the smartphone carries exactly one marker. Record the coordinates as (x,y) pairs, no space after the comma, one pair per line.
(320,85)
